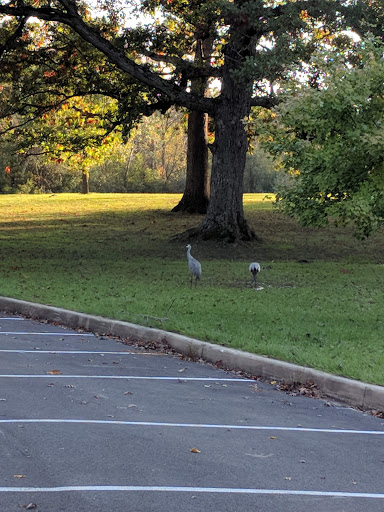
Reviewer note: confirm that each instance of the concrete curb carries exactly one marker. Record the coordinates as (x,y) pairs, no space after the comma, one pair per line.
(356,393)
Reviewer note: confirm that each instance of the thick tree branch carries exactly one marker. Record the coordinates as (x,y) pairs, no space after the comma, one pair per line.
(189,70)
(264,101)
(71,17)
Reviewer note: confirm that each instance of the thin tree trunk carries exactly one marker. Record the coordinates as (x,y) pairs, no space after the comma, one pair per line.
(85,183)
(127,168)
(196,193)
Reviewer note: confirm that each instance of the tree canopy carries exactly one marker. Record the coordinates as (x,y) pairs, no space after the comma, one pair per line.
(330,141)
(50,67)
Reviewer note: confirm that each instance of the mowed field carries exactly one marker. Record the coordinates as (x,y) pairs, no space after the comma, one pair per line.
(321,302)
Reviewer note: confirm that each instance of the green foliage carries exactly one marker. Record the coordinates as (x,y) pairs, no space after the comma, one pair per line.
(59,94)
(152,160)
(329,139)
(259,174)
(34,174)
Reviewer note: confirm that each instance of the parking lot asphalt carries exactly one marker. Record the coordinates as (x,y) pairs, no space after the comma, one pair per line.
(90,424)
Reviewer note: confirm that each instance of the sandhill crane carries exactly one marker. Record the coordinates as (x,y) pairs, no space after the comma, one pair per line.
(254,269)
(194,265)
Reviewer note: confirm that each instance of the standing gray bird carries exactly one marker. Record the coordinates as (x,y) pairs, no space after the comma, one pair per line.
(254,269)
(194,265)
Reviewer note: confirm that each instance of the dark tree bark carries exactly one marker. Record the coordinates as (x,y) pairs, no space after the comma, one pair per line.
(225,216)
(85,183)
(196,193)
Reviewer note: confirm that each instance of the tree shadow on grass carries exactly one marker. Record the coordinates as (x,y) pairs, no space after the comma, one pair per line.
(148,234)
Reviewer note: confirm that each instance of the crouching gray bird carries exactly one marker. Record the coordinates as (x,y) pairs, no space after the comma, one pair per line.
(254,269)
(194,266)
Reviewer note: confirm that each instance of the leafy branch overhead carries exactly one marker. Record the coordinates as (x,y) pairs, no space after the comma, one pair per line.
(211,19)
(329,139)
(135,50)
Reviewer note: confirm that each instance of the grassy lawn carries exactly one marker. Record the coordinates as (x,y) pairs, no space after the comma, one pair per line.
(111,254)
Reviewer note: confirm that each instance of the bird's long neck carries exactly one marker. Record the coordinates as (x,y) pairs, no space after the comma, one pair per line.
(188,252)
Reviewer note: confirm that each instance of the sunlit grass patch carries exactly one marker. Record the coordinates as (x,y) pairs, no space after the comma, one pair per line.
(320,304)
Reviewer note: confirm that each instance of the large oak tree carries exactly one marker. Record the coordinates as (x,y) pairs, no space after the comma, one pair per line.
(257,43)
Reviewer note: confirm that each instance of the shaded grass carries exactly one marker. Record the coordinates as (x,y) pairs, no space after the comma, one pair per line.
(110,254)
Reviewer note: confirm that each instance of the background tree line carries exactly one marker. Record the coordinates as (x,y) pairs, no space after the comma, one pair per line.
(152,160)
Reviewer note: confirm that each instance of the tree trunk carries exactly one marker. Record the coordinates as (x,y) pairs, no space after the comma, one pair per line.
(196,193)
(225,216)
(127,168)
(85,183)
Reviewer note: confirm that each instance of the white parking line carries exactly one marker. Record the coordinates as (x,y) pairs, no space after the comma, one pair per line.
(197,425)
(127,377)
(12,318)
(92,352)
(47,333)
(221,490)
